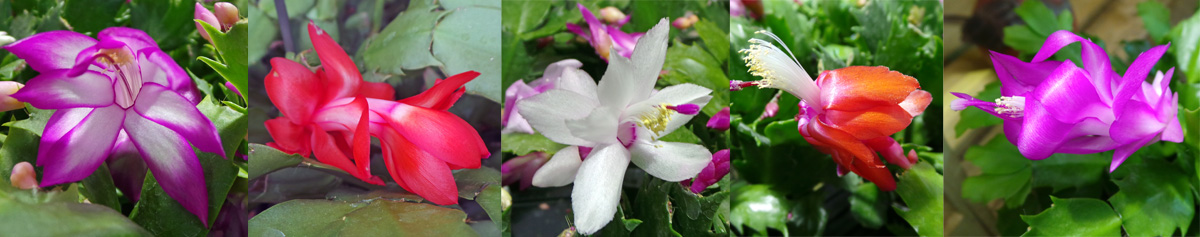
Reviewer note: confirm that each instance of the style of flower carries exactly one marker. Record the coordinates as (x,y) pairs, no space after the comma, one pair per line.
(1056,107)
(522,168)
(609,124)
(121,87)
(603,37)
(848,113)
(332,113)
(511,119)
(716,169)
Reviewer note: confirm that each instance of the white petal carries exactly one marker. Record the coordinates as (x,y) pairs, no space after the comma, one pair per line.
(598,188)
(548,112)
(560,169)
(630,80)
(674,95)
(670,161)
(599,127)
(574,79)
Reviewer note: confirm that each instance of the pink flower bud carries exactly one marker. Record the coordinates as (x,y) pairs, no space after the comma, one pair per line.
(7,88)
(227,14)
(611,15)
(23,176)
(685,22)
(207,16)
(719,121)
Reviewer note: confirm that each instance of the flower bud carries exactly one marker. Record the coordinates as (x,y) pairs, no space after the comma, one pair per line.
(685,22)
(23,176)
(611,15)
(5,38)
(207,16)
(227,14)
(7,88)
(719,121)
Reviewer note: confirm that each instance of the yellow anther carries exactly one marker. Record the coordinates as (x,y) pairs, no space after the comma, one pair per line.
(656,121)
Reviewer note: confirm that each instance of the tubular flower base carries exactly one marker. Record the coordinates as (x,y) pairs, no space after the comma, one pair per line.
(119,89)
(848,113)
(1056,107)
(332,113)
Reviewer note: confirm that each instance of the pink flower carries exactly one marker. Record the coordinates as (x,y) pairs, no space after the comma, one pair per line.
(605,38)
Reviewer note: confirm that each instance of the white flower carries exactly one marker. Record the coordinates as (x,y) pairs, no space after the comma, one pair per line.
(616,122)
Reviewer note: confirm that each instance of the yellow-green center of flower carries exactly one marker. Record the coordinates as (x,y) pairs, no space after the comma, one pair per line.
(657,119)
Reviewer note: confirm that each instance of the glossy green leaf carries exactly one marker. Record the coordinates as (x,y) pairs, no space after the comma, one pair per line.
(868,205)
(63,219)
(100,189)
(521,144)
(19,146)
(461,44)
(784,131)
(1185,41)
(230,122)
(1074,217)
(1006,174)
(654,209)
(759,208)
(366,218)
(265,159)
(715,39)
(921,189)
(162,215)
(696,215)
(1155,199)
(405,44)
(524,16)
(471,182)
(233,53)
(36,122)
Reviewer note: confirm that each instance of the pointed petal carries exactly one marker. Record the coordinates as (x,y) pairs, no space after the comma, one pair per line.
(1018,77)
(1095,60)
(419,171)
(890,150)
(871,123)
(916,102)
(50,50)
(598,188)
(135,39)
(293,89)
(55,90)
(1138,122)
(439,97)
(630,80)
(549,111)
(560,170)
(158,67)
(326,150)
(1123,152)
(686,93)
(841,141)
(339,69)
(172,162)
(1069,96)
(289,138)
(862,87)
(1135,76)
(439,133)
(76,153)
(670,161)
(1173,132)
(876,174)
(175,112)
(578,81)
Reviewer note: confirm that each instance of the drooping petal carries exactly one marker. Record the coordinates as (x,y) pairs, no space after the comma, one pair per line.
(76,153)
(326,150)
(890,150)
(869,123)
(342,73)
(1138,122)
(549,111)
(293,89)
(598,188)
(628,80)
(670,161)
(916,102)
(50,50)
(53,89)
(560,170)
(171,160)
(862,87)
(167,108)
(419,171)
(289,138)
(1095,60)
(440,96)
(137,40)
(1042,134)
(841,141)
(1018,77)
(439,133)
(876,174)
(127,167)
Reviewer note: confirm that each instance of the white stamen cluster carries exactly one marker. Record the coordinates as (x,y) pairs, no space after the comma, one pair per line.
(1011,106)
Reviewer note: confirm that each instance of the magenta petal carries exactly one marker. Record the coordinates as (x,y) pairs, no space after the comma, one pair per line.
(1131,83)
(158,67)
(171,110)
(61,122)
(76,154)
(1041,133)
(1125,151)
(1069,96)
(50,50)
(134,38)
(1137,123)
(172,162)
(593,24)
(55,90)
(1095,60)
(1018,77)
(127,168)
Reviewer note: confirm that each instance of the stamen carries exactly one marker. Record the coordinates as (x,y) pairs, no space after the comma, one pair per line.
(122,64)
(656,120)
(1011,105)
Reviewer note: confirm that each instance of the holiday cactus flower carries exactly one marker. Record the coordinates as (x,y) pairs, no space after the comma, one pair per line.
(512,120)
(332,113)
(612,124)
(848,113)
(119,87)
(605,38)
(1057,107)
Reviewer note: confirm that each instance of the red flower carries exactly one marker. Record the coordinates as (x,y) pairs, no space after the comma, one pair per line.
(332,113)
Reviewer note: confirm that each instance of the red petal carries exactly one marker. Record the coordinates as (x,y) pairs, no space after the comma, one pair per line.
(288,137)
(443,94)
(418,171)
(326,151)
(377,90)
(862,87)
(870,123)
(440,133)
(335,61)
(293,89)
(842,142)
(881,176)
(362,137)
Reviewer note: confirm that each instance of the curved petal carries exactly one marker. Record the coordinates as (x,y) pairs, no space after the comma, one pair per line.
(1042,134)
(439,133)
(1136,75)
(55,90)
(862,87)
(340,69)
(598,188)
(172,162)
(419,171)
(76,153)
(50,50)
(890,150)
(1138,122)
(289,138)
(630,80)
(1095,60)
(869,123)
(443,93)
(876,174)
(548,112)
(293,89)
(686,93)
(578,81)
(158,67)
(326,150)
(175,112)
(134,38)
(377,90)
(670,161)
(842,142)
(1018,77)
(560,170)
(600,126)
(1069,96)
(917,102)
